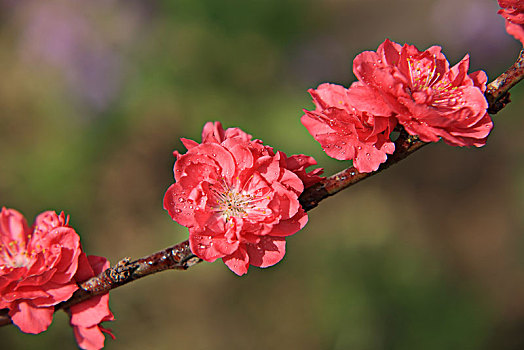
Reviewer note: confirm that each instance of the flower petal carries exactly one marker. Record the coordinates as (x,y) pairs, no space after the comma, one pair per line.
(269,251)
(238,262)
(31,319)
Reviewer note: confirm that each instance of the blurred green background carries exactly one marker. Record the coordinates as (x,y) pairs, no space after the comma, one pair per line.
(94,96)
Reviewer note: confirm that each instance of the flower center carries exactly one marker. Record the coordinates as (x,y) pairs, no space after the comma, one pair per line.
(424,77)
(14,255)
(231,202)
(422,74)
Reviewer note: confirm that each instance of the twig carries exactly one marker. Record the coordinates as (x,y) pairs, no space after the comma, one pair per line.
(497,91)
(180,257)
(404,146)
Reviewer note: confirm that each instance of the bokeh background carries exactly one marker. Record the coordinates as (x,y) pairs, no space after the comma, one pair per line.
(94,96)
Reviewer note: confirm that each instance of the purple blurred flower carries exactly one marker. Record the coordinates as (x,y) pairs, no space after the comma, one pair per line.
(67,35)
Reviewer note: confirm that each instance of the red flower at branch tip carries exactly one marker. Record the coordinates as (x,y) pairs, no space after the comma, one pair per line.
(40,267)
(428,98)
(37,267)
(347,133)
(513,12)
(87,316)
(238,198)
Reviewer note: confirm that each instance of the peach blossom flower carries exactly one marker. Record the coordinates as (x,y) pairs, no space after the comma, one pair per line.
(347,133)
(428,98)
(238,198)
(37,267)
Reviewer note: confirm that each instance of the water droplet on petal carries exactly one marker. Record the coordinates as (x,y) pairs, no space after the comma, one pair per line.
(180,199)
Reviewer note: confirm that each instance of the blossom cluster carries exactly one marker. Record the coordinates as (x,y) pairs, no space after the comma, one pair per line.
(238,197)
(40,267)
(513,12)
(399,85)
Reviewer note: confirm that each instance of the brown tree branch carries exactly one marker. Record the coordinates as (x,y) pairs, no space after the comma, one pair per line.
(180,257)
(177,257)
(497,91)
(404,146)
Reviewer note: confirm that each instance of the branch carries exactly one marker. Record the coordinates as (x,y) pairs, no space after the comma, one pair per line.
(497,91)
(404,146)
(180,257)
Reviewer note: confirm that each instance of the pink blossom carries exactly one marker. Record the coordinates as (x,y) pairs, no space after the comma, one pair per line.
(37,267)
(87,316)
(347,133)
(428,98)
(513,12)
(40,267)
(238,198)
